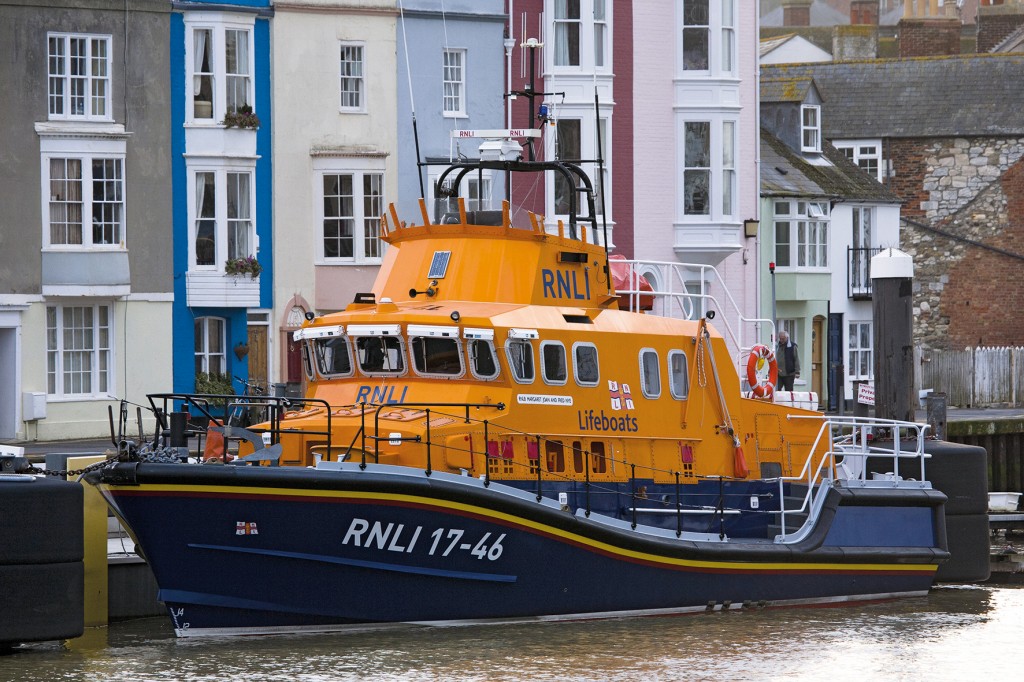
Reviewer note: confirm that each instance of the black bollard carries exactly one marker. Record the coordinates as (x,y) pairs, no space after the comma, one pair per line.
(892,274)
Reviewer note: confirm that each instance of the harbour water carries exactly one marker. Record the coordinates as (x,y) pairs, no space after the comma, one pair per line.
(955,633)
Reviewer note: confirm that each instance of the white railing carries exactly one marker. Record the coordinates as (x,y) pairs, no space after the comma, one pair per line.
(687,291)
(847,444)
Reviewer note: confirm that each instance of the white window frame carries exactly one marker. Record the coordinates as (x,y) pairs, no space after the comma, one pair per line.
(489,344)
(544,364)
(358,168)
(453,82)
(646,366)
(86,149)
(218,24)
(97,76)
(590,31)
(346,74)
(588,150)
(719,30)
(413,359)
(810,128)
(59,357)
(204,354)
(222,171)
(684,394)
(468,190)
(867,154)
(720,166)
(511,364)
(855,351)
(807,224)
(576,364)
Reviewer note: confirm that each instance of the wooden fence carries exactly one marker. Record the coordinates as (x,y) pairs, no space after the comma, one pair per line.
(975,377)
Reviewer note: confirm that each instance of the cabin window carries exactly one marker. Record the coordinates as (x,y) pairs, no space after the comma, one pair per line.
(380,355)
(555,453)
(436,356)
(552,362)
(307,361)
(585,366)
(482,359)
(520,360)
(650,374)
(598,463)
(578,457)
(333,357)
(678,377)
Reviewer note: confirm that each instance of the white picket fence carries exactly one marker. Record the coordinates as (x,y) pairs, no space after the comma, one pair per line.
(974,377)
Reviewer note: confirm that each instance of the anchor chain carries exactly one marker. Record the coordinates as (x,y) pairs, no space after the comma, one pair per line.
(127,452)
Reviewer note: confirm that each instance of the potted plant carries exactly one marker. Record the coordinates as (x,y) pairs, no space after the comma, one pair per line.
(213,383)
(243,266)
(243,117)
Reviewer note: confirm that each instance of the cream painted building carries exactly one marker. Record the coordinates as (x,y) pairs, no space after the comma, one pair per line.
(335,143)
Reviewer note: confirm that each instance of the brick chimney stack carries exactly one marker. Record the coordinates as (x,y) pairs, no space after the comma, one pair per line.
(796,13)
(929,37)
(995,23)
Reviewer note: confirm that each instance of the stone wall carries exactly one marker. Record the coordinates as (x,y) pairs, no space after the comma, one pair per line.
(964,294)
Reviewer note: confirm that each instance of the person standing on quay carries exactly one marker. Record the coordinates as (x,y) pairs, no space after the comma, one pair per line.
(788,357)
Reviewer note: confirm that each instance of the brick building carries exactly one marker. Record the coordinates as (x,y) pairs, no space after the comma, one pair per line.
(946,135)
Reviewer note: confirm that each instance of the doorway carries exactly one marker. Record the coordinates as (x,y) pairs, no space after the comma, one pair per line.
(818,356)
(8,383)
(259,351)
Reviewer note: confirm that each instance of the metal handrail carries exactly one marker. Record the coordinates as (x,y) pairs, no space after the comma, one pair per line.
(856,445)
(680,299)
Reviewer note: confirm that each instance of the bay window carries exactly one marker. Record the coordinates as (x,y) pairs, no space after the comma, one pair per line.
(79,340)
(581,34)
(707,30)
(801,234)
(222,225)
(85,205)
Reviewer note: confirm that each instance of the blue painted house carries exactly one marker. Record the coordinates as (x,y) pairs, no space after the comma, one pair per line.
(222,189)
(457,58)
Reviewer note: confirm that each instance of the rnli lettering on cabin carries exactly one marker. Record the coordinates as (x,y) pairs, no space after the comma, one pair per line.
(380,395)
(563,284)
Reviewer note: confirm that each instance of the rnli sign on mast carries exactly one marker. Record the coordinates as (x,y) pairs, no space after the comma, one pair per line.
(497,133)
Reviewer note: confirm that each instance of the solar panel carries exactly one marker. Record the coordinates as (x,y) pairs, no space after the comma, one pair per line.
(439,264)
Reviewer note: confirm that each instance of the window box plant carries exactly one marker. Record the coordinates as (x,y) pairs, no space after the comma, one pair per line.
(243,118)
(243,266)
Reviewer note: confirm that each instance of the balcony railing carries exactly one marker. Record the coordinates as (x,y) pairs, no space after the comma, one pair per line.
(858,271)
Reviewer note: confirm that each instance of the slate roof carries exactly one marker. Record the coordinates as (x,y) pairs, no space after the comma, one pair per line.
(967,95)
(785,89)
(784,172)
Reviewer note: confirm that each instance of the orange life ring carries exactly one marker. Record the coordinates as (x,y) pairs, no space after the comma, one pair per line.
(762,386)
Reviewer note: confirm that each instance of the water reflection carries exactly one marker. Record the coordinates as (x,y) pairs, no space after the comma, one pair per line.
(966,632)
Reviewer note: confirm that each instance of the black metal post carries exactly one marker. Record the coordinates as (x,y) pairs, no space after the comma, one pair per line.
(428,443)
(586,465)
(632,489)
(539,495)
(487,457)
(679,510)
(362,432)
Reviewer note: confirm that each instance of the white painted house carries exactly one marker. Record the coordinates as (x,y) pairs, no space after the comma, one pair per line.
(335,145)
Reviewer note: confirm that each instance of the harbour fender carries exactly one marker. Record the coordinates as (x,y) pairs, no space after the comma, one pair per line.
(760,357)
(967,536)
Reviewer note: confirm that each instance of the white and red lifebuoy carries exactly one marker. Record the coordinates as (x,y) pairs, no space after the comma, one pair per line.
(762,371)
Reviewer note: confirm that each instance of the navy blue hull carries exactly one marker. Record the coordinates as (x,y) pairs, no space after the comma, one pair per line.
(239,550)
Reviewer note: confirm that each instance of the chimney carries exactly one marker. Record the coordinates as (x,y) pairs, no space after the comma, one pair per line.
(995,23)
(929,37)
(796,13)
(852,43)
(864,12)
